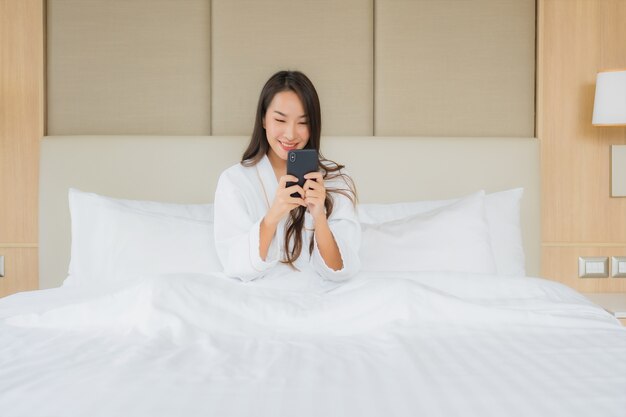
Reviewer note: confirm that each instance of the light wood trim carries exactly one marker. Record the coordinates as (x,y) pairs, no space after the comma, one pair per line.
(539,89)
(623,321)
(21,116)
(579,217)
(20,269)
(583,245)
(561,264)
(21,128)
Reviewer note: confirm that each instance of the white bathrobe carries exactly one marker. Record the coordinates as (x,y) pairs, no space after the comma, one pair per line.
(243,197)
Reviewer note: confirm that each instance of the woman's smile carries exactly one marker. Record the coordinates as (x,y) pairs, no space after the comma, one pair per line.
(288,146)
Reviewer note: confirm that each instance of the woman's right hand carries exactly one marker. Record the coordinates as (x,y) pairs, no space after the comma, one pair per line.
(283,201)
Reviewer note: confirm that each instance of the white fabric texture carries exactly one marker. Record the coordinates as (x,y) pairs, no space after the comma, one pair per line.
(503,213)
(242,198)
(450,238)
(382,344)
(114,239)
(502,210)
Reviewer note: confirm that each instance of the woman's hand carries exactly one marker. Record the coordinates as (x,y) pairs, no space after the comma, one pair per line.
(283,201)
(315,195)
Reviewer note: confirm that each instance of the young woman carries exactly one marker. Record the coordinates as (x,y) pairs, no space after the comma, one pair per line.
(260,229)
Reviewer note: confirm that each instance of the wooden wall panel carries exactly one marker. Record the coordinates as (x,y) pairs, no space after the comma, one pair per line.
(578,38)
(20,269)
(560,263)
(21,127)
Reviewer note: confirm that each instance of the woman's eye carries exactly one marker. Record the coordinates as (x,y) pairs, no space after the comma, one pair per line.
(303,123)
(280,121)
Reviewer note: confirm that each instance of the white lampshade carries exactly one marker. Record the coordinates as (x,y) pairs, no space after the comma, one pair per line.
(609,107)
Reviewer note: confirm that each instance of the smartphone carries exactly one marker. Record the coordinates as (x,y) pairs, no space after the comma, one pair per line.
(299,163)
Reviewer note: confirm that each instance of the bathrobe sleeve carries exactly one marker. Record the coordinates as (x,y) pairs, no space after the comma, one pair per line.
(346,229)
(237,229)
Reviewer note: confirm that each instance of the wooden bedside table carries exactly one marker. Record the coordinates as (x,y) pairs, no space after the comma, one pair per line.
(614,303)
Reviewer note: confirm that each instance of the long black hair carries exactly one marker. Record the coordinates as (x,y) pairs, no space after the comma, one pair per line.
(259,146)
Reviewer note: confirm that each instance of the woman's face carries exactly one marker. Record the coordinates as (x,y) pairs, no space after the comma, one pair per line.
(286,124)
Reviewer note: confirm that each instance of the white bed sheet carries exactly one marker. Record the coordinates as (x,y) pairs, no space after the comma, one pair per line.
(383,344)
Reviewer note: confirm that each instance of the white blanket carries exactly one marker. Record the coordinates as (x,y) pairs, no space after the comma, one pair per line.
(382,344)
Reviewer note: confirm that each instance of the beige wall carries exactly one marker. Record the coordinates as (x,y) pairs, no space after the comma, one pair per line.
(385,67)
(21,127)
(329,40)
(455,68)
(577,38)
(129,66)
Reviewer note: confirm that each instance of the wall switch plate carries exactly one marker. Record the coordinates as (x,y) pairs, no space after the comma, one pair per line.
(618,170)
(618,267)
(593,267)
(1,266)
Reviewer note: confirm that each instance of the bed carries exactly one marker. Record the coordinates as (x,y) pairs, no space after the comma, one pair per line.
(144,323)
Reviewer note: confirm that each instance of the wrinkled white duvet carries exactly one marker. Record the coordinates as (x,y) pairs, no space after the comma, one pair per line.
(380,345)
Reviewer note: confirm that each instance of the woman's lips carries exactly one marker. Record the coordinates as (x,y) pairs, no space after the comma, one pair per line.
(288,146)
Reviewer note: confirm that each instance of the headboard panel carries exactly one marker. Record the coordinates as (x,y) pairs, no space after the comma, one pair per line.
(185,169)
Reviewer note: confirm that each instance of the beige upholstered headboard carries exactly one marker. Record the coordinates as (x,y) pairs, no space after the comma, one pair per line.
(185,169)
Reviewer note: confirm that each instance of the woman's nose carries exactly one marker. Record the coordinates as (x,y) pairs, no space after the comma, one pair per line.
(289,130)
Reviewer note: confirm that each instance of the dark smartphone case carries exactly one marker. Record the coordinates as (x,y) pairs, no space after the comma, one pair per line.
(299,163)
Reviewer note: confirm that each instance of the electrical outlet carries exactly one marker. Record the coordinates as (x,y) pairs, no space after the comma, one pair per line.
(1,266)
(618,267)
(593,267)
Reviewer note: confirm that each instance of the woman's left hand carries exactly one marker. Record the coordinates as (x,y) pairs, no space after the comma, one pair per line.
(315,195)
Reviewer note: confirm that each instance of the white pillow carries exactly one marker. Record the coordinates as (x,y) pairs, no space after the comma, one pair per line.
(115,239)
(503,217)
(502,211)
(450,238)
